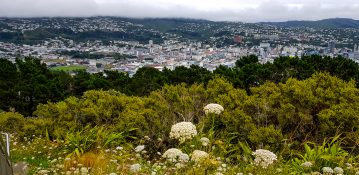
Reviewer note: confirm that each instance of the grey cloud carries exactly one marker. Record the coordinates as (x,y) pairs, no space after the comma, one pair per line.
(35,8)
(267,10)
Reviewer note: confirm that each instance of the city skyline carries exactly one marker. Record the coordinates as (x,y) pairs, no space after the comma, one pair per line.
(226,10)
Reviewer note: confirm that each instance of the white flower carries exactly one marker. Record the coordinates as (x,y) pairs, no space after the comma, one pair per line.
(119,148)
(198,155)
(183,131)
(338,170)
(183,157)
(135,168)
(327,170)
(172,154)
(307,164)
(43,172)
(213,108)
(205,141)
(139,148)
(264,158)
(84,170)
(179,165)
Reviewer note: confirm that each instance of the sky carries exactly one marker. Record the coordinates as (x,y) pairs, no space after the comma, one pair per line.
(216,10)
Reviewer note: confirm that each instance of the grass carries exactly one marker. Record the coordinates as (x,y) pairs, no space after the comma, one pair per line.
(69,68)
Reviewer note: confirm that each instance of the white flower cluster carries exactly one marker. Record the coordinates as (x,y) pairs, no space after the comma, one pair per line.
(327,170)
(264,158)
(139,148)
(307,165)
(174,155)
(338,170)
(213,108)
(205,141)
(183,131)
(198,155)
(135,168)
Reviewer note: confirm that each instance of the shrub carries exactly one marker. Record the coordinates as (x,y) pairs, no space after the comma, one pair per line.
(11,122)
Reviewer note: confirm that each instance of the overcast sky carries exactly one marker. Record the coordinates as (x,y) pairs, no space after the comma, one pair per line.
(218,10)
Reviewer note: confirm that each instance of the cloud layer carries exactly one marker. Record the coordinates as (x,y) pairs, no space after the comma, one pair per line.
(229,10)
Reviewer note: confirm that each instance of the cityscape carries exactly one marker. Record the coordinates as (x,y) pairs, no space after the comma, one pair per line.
(226,43)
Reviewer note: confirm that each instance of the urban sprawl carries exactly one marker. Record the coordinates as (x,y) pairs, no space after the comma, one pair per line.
(226,43)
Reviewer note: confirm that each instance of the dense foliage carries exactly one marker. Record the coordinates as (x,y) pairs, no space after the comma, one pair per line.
(27,83)
(283,117)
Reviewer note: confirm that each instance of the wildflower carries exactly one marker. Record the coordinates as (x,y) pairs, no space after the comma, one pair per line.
(147,138)
(183,131)
(135,168)
(172,154)
(198,155)
(264,158)
(179,165)
(213,108)
(205,141)
(338,170)
(316,173)
(43,172)
(139,148)
(349,166)
(119,148)
(307,165)
(327,170)
(183,157)
(84,170)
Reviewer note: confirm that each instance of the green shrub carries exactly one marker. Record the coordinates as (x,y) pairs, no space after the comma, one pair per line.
(11,122)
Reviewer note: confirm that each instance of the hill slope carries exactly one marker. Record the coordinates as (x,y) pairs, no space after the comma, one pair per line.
(325,23)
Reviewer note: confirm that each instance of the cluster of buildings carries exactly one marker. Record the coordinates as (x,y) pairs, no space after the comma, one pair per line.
(227,43)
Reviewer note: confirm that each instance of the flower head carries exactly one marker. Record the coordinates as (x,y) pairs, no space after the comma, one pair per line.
(199,155)
(139,148)
(135,168)
(205,141)
(213,108)
(327,170)
(307,164)
(264,158)
(183,131)
(338,170)
(172,154)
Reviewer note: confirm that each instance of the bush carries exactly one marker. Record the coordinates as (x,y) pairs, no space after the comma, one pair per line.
(11,122)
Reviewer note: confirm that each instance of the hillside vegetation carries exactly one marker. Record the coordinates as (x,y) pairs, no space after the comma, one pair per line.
(289,122)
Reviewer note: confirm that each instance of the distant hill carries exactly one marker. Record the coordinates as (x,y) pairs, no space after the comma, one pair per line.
(325,23)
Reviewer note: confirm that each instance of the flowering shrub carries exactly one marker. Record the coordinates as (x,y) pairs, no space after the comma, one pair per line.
(264,158)
(199,155)
(213,108)
(183,131)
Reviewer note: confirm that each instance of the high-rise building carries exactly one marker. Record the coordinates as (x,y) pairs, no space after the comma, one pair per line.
(150,42)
